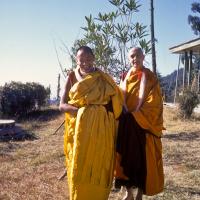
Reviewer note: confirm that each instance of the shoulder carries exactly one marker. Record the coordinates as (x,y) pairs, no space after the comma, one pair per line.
(150,75)
(106,76)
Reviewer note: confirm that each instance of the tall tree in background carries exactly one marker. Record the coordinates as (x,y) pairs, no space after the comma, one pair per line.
(153,39)
(194,20)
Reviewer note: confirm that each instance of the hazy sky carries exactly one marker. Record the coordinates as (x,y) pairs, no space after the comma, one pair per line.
(27,29)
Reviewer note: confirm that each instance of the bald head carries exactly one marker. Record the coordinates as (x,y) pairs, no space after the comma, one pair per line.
(136,49)
(136,57)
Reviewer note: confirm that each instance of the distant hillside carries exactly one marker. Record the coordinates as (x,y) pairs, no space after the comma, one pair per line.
(168,84)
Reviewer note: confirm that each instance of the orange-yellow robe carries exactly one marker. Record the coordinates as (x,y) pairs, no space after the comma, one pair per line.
(149,116)
(90,137)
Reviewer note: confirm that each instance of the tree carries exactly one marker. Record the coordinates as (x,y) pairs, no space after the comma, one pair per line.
(187,102)
(19,99)
(194,20)
(112,34)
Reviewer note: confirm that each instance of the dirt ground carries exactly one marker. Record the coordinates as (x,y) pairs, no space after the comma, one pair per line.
(30,167)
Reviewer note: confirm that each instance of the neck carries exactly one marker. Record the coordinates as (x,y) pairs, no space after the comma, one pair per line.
(138,68)
(85,72)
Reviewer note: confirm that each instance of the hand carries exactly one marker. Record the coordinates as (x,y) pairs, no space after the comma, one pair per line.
(73,110)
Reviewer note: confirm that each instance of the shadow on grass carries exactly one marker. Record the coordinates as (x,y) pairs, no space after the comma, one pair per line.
(179,189)
(183,136)
(15,134)
(41,115)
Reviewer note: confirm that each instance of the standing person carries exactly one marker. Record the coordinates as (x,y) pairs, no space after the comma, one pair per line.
(139,149)
(92,103)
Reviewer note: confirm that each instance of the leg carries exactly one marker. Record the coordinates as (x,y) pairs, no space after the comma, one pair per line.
(139,194)
(129,194)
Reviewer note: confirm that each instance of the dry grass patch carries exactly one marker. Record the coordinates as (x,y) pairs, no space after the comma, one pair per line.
(181,156)
(29,169)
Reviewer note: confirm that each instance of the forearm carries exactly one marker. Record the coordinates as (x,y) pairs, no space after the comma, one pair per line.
(64,107)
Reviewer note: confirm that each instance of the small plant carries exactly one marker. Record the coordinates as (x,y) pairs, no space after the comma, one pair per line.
(187,102)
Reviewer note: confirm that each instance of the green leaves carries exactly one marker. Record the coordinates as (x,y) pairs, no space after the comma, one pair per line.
(140,30)
(116,2)
(90,24)
(145,45)
(18,99)
(194,20)
(187,102)
(111,34)
(132,5)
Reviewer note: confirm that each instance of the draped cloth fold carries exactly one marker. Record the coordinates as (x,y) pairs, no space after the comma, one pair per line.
(90,137)
(139,145)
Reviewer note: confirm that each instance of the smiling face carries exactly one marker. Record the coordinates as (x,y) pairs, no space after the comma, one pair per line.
(136,58)
(84,60)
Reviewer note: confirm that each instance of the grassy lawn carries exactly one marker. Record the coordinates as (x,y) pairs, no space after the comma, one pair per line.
(29,169)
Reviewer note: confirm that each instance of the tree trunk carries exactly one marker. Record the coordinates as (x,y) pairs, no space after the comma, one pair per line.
(58,90)
(153,40)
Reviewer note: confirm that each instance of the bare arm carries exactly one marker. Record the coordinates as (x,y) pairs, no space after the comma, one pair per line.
(64,106)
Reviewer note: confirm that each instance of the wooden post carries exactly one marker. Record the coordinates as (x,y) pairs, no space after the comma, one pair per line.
(190,68)
(185,68)
(177,74)
(58,127)
(153,40)
(58,90)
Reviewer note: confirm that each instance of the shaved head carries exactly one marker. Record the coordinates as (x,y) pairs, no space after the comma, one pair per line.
(136,49)
(136,57)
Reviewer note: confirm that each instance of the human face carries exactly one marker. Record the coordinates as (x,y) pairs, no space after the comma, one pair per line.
(136,58)
(84,60)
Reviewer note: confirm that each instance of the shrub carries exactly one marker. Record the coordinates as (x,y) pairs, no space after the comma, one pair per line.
(19,99)
(187,102)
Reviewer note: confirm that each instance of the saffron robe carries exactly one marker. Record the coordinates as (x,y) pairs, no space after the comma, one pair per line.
(149,116)
(90,137)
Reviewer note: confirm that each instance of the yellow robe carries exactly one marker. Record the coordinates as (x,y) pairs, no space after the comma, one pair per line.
(150,117)
(90,137)
(150,114)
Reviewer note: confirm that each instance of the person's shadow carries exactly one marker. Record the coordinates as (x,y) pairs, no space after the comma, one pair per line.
(15,133)
(183,136)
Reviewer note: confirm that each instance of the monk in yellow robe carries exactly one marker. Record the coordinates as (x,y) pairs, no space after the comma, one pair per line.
(139,149)
(92,103)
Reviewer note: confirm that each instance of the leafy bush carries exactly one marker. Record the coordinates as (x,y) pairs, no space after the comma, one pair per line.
(187,102)
(19,99)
